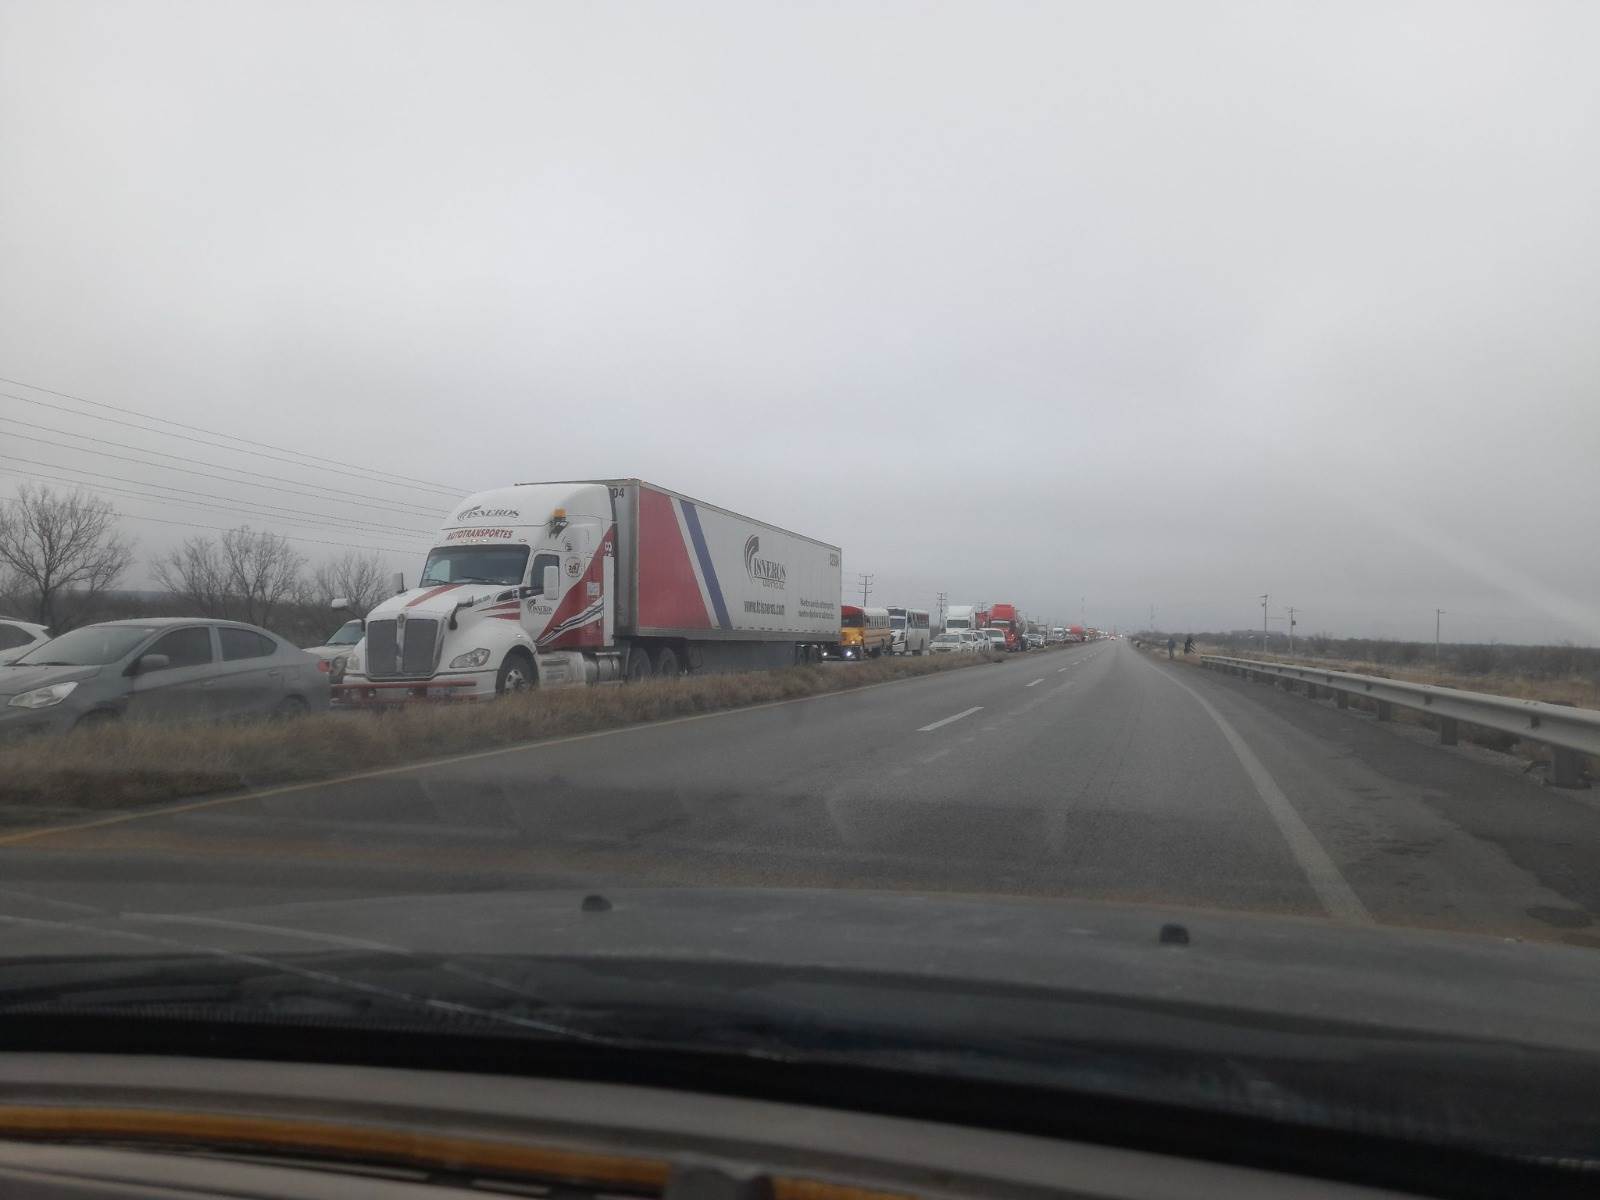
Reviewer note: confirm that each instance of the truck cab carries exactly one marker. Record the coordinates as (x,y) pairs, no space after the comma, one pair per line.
(512,593)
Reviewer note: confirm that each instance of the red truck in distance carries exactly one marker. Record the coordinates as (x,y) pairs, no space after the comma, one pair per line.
(1006,617)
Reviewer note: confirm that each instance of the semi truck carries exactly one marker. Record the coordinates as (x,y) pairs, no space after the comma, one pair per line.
(961,618)
(581,582)
(1005,616)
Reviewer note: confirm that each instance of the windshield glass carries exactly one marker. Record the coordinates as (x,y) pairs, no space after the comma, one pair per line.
(94,646)
(607,360)
(475,564)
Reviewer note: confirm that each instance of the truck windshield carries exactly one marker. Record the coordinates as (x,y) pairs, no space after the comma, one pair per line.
(475,564)
(897,622)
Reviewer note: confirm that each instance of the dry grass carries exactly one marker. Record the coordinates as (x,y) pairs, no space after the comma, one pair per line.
(124,765)
(1576,690)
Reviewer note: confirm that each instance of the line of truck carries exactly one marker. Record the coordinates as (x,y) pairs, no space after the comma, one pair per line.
(586,581)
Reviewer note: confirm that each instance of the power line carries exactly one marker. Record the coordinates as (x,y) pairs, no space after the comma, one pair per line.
(417,510)
(225,529)
(180,436)
(228,436)
(361,527)
(167,487)
(89,437)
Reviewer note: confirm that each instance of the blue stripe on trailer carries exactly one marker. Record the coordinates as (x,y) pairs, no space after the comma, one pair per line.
(691,518)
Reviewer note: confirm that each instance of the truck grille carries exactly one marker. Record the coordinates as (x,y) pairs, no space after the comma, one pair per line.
(384,658)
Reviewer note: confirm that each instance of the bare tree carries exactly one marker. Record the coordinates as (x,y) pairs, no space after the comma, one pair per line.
(194,573)
(261,570)
(64,550)
(358,578)
(246,576)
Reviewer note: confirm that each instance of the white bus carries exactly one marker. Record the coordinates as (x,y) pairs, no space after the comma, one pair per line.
(912,630)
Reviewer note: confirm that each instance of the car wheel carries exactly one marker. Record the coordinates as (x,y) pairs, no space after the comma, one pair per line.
(638,665)
(516,674)
(666,660)
(288,708)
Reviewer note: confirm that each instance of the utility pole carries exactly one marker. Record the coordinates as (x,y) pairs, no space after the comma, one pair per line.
(1291,631)
(866,586)
(1437,613)
(1263,622)
(942,599)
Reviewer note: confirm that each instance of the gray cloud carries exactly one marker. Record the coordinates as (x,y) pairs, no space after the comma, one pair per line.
(1159,304)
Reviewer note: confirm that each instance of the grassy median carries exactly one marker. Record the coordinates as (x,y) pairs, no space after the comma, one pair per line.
(123,765)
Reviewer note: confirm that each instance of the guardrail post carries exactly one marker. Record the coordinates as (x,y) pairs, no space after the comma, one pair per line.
(1565,769)
(1343,698)
(1311,690)
(1448,731)
(1385,710)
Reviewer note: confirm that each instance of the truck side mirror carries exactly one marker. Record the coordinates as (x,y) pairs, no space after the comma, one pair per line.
(340,604)
(397,583)
(551,582)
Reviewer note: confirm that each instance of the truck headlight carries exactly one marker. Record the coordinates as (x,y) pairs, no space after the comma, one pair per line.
(44,697)
(472,658)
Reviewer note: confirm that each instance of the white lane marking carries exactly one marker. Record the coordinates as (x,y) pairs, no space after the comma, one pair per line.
(1337,896)
(947,720)
(1061,669)
(1035,683)
(936,755)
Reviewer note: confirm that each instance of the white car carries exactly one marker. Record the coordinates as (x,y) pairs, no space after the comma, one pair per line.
(954,643)
(996,636)
(337,648)
(18,637)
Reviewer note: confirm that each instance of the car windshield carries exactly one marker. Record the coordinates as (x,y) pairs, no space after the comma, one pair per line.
(556,426)
(475,564)
(347,634)
(93,646)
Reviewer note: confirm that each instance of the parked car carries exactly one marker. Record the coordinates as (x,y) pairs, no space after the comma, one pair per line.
(162,669)
(336,650)
(18,637)
(996,636)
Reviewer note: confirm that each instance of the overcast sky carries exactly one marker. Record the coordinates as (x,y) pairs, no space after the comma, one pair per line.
(1119,305)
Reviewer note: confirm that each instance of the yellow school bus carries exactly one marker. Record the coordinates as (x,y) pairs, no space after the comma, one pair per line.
(863,633)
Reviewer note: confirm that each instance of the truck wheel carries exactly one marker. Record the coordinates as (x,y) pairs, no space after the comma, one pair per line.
(516,674)
(666,659)
(638,665)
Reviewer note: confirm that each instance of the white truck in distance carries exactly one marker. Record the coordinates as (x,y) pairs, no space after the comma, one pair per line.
(583,582)
(959,617)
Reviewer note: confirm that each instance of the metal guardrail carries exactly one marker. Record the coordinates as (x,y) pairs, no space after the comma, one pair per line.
(1569,732)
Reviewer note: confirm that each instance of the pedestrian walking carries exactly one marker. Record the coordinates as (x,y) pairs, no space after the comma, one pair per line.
(1171,646)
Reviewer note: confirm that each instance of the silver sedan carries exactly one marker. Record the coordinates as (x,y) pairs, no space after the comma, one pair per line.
(165,669)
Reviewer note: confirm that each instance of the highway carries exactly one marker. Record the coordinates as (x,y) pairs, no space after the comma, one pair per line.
(1094,771)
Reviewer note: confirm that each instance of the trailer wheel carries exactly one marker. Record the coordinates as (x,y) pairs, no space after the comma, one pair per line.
(516,674)
(638,665)
(666,660)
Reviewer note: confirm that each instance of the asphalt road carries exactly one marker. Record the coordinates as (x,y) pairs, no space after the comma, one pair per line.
(1094,771)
